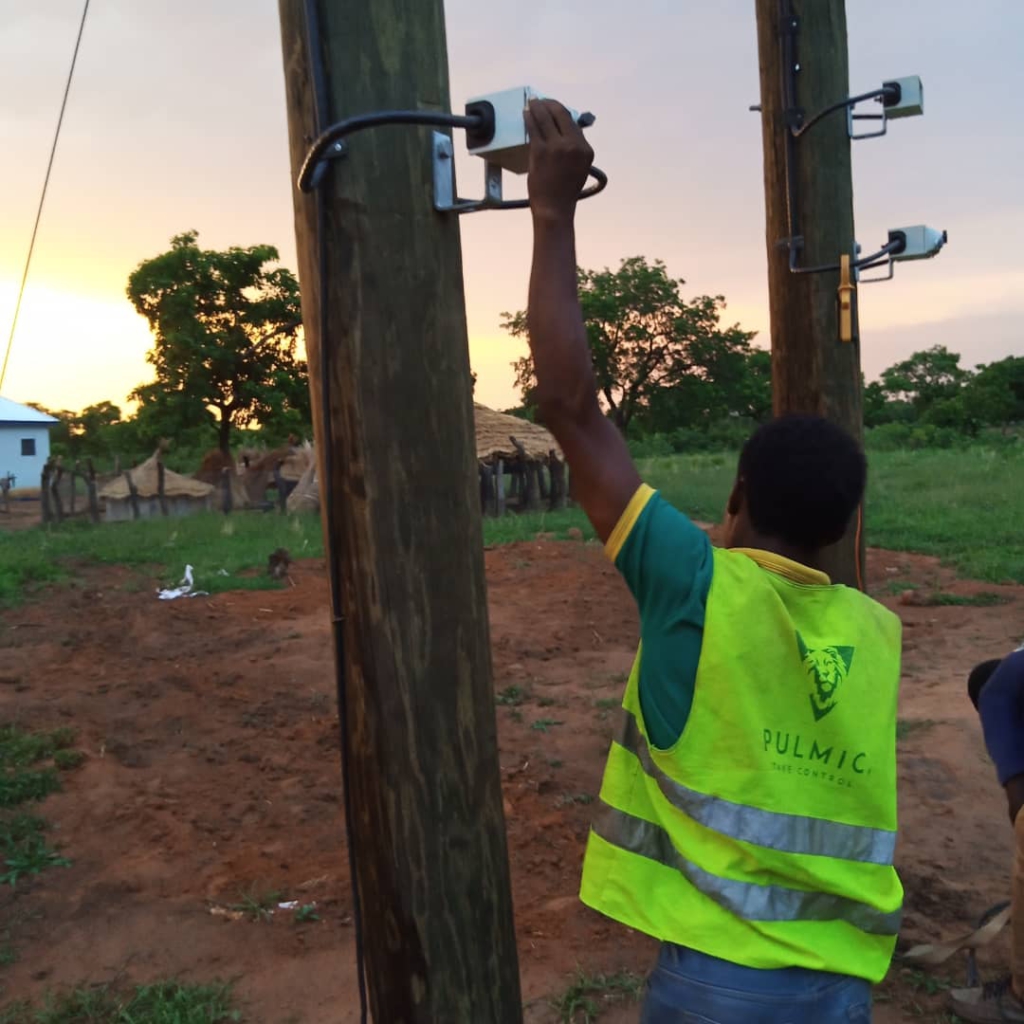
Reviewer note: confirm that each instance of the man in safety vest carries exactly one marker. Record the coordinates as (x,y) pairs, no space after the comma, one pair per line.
(747,815)
(996,689)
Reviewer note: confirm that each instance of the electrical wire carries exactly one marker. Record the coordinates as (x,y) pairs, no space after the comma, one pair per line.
(42,197)
(850,101)
(874,260)
(336,132)
(313,44)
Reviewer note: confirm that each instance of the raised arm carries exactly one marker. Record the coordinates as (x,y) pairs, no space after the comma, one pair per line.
(604,476)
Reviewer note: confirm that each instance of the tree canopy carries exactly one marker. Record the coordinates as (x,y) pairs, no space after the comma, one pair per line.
(925,378)
(658,359)
(225,327)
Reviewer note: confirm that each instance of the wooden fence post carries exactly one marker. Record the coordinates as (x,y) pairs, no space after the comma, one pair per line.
(227,498)
(44,492)
(133,496)
(499,488)
(5,486)
(58,505)
(282,492)
(532,486)
(486,488)
(90,490)
(161,490)
(74,488)
(557,470)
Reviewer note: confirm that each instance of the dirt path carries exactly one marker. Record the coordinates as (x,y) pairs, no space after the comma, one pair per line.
(212,772)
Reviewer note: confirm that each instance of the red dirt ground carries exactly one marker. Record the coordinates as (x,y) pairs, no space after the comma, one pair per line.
(212,770)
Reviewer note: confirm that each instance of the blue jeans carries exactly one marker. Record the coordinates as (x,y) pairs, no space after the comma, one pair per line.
(690,988)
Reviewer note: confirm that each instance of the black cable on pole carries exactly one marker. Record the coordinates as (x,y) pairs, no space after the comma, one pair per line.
(42,197)
(876,259)
(851,101)
(320,102)
(330,142)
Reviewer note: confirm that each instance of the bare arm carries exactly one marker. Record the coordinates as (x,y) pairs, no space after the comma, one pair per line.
(1015,795)
(605,478)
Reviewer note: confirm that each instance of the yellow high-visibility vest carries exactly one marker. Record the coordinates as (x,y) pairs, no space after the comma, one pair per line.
(765,835)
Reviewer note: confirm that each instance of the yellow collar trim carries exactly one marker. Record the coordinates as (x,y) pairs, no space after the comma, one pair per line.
(786,567)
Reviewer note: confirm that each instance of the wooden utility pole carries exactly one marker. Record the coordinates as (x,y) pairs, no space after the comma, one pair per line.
(812,370)
(428,832)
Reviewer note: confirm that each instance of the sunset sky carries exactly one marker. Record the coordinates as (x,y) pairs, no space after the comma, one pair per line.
(177,121)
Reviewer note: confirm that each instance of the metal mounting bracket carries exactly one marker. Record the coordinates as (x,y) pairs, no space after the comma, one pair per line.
(445,199)
(851,117)
(890,266)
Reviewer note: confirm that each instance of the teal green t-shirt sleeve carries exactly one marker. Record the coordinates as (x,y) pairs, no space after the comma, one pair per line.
(666,561)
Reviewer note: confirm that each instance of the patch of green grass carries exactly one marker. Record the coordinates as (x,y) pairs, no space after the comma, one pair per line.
(555,763)
(511,696)
(906,726)
(237,544)
(587,995)
(516,715)
(921,981)
(8,956)
(959,505)
(899,586)
(23,848)
(544,724)
(984,599)
(546,702)
(575,798)
(19,785)
(306,914)
(168,1002)
(68,760)
(607,703)
(513,529)
(20,751)
(19,748)
(258,905)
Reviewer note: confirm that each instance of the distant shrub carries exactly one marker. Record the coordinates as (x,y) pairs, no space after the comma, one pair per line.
(892,437)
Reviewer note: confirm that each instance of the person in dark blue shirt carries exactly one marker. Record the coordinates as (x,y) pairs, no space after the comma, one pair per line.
(996,689)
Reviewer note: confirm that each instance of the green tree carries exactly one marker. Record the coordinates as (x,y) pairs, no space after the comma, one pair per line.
(995,395)
(925,378)
(225,327)
(734,379)
(645,339)
(94,430)
(880,409)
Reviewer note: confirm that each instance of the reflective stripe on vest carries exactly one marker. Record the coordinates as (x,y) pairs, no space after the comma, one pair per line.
(743,899)
(790,833)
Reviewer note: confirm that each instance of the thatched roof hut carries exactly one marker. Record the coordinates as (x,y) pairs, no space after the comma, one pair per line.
(305,496)
(183,495)
(495,430)
(530,469)
(258,473)
(218,467)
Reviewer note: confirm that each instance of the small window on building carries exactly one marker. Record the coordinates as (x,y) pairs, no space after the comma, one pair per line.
(28,447)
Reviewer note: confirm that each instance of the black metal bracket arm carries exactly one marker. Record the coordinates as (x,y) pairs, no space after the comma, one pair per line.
(330,145)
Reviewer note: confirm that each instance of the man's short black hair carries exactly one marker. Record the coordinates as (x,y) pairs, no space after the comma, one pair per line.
(803,478)
(979,676)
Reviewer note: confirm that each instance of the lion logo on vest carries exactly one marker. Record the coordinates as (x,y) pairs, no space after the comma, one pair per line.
(827,668)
